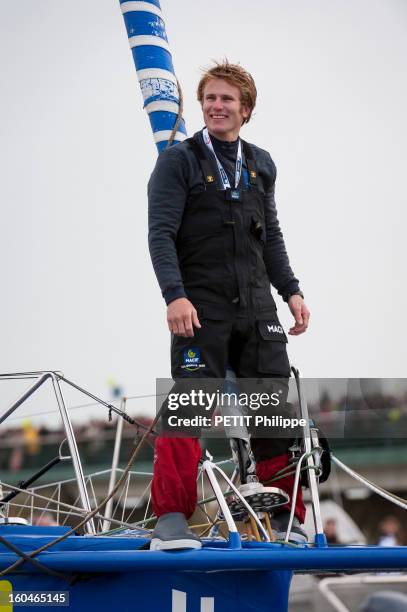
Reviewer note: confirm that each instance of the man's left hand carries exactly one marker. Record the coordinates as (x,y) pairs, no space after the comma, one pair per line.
(300,313)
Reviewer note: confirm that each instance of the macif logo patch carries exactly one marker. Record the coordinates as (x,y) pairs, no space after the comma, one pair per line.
(275,328)
(192,360)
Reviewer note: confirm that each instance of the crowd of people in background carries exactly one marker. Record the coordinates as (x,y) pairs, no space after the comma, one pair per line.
(365,399)
(27,439)
(389,532)
(19,445)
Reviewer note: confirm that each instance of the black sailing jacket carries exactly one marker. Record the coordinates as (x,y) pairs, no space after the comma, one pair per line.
(176,187)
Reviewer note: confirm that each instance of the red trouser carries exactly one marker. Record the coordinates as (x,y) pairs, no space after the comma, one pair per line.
(174,486)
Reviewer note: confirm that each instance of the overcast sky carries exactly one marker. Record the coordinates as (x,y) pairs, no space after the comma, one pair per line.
(78,290)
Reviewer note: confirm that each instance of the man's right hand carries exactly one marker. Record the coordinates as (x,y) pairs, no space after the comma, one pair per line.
(181,317)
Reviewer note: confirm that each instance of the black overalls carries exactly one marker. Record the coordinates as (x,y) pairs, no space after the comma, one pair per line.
(220,252)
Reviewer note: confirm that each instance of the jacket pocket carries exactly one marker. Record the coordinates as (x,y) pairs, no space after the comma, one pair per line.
(272,355)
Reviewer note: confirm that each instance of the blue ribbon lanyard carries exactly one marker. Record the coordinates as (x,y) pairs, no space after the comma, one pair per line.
(223,175)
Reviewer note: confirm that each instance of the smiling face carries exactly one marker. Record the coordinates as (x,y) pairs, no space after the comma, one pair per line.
(222,109)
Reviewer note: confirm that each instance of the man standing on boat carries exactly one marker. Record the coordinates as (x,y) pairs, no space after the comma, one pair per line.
(216,245)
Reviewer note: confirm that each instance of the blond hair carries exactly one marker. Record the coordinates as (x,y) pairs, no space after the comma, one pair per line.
(235,75)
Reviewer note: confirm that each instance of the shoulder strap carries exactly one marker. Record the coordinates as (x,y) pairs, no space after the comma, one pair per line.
(210,177)
(250,162)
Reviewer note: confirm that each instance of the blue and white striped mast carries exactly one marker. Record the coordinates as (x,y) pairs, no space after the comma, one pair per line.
(155,71)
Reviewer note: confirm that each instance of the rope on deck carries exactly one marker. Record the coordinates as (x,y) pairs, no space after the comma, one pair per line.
(398,501)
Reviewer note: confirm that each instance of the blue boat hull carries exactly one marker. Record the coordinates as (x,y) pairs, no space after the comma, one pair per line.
(167,591)
(119,574)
